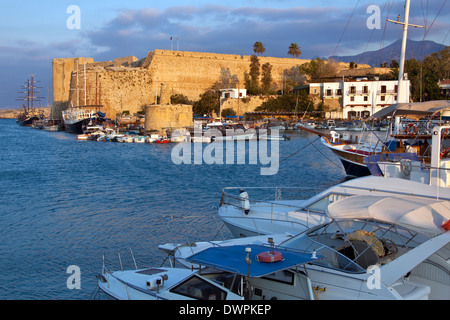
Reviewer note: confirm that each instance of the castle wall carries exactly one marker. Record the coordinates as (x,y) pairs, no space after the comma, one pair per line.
(191,73)
(131,84)
(117,89)
(62,75)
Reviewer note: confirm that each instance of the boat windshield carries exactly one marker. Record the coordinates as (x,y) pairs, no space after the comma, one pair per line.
(354,245)
(322,204)
(198,288)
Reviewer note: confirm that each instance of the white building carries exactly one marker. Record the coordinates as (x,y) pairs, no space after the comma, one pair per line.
(233,93)
(360,98)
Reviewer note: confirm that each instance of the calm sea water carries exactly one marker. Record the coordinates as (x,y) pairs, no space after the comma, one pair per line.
(65,202)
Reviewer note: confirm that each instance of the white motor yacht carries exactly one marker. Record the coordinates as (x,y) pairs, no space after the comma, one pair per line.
(373,247)
(294,210)
(231,273)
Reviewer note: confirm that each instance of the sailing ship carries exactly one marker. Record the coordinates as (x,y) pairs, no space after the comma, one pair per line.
(76,118)
(29,114)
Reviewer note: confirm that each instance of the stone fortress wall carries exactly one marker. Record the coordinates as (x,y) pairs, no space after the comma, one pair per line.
(131,84)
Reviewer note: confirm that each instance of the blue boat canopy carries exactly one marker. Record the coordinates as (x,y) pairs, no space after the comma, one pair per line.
(232,259)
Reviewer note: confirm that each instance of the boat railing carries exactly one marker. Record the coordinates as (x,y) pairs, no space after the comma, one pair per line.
(261,196)
(121,254)
(280,200)
(215,230)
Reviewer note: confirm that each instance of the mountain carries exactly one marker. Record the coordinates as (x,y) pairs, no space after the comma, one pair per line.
(414,49)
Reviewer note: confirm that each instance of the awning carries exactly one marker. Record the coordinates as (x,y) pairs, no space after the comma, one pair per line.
(422,215)
(415,110)
(232,259)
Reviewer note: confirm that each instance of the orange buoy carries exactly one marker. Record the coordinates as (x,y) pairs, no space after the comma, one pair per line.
(270,256)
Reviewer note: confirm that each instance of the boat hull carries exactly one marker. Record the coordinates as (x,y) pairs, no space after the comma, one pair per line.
(74,127)
(354,169)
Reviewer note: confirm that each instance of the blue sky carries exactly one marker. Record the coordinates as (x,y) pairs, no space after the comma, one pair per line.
(32,33)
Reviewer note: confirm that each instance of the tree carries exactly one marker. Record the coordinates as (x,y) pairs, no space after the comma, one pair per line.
(288,103)
(425,75)
(292,77)
(258,48)
(179,99)
(208,103)
(266,80)
(294,50)
(252,79)
(319,70)
(226,80)
(228,112)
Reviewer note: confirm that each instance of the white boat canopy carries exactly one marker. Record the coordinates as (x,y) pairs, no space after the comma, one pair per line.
(421,215)
(415,110)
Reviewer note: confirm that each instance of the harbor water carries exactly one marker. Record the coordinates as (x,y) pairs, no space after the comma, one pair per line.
(64,203)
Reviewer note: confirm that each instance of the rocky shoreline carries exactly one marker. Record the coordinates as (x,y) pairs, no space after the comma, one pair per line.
(14,113)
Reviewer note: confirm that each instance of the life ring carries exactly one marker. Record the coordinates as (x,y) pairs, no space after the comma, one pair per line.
(409,131)
(270,256)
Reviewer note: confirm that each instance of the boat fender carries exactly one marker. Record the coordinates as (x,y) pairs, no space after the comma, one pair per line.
(411,133)
(446,226)
(444,152)
(269,256)
(156,282)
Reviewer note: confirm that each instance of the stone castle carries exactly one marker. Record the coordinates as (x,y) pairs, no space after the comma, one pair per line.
(129,84)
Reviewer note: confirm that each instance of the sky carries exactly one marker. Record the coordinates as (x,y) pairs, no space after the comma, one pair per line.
(32,33)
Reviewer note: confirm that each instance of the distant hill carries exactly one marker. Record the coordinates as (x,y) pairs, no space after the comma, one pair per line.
(414,50)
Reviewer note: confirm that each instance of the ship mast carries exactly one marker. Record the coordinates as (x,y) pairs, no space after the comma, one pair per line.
(402,96)
(30,94)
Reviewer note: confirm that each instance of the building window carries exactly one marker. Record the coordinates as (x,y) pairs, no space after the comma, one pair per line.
(383,98)
(352,98)
(329,92)
(339,92)
(383,89)
(365,89)
(353,89)
(366,98)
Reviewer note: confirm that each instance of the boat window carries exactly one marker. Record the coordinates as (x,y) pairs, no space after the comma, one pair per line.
(322,204)
(284,276)
(198,288)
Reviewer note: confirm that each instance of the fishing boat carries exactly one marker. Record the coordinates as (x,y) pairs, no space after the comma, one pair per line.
(232,273)
(406,144)
(52,124)
(139,139)
(373,247)
(75,118)
(294,210)
(232,132)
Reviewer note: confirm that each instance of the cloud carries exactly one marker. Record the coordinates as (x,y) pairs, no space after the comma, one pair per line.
(219,29)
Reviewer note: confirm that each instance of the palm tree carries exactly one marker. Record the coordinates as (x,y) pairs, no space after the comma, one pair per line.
(294,50)
(258,48)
